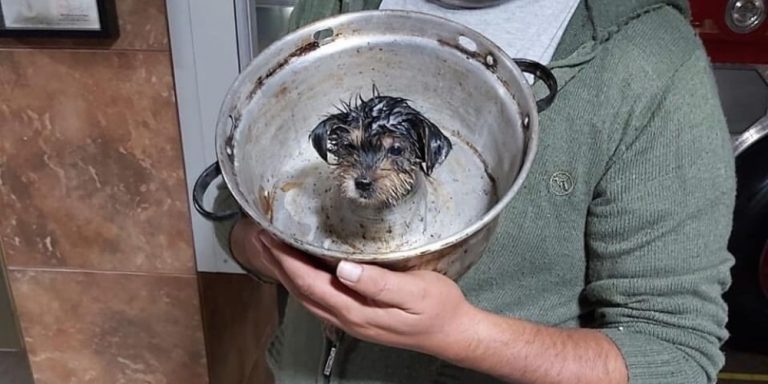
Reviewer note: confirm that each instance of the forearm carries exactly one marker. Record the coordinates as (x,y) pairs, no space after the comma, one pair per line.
(522,352)
(244,247)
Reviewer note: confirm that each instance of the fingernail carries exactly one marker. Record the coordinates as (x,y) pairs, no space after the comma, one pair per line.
(349,271)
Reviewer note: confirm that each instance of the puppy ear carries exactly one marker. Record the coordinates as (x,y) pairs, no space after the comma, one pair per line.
(434,146)
(319,136)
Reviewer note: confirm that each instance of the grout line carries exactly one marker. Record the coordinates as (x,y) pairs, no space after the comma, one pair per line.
(77,270)
(80,49)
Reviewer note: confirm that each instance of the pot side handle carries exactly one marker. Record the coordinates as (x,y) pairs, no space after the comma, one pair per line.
(543,73)
(198,193)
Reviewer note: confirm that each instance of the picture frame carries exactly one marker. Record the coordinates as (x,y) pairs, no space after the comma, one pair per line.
(59,19)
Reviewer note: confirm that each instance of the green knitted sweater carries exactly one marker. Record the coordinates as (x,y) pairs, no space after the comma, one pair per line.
(621,225)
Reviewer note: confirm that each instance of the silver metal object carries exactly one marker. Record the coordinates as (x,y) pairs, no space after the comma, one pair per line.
(744,16)
(452,74)
(244,21)
(259,23)
(468,4)
(754,133)
(750,136)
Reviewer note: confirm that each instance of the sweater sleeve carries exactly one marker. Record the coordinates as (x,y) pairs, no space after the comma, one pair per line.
(657,234)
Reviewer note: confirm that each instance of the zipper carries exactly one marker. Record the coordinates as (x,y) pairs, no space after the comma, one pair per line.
(330,355)
(330,358)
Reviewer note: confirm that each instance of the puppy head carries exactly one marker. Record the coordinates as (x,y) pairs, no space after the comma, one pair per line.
(378,146)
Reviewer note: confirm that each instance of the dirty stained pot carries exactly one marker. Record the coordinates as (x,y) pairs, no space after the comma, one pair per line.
(455,76)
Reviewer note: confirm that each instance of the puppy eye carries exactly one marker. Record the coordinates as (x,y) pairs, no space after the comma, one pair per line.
(395,150)
(349,146)
(339,130)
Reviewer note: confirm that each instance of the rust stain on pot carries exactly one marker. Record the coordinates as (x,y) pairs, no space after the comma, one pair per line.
(301,51)
(267,203)
(282,92)
(494,189)
(486,59)
(291,185)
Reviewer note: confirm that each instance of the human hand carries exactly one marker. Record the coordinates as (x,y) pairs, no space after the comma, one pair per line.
(427,312)
(419,310)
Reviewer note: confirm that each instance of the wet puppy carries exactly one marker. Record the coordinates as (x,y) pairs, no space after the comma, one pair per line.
(377,147)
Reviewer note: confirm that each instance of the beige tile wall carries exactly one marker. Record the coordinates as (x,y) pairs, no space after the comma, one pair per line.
(94,215)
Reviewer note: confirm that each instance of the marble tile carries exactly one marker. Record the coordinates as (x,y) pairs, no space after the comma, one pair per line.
(143,26)
(239,316)
(91,172)
(82,327)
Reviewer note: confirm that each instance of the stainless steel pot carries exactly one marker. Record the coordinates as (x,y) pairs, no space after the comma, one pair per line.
(454,75)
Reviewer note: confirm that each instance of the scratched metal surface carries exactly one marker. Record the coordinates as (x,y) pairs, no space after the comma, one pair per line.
(464,84)
(304,200)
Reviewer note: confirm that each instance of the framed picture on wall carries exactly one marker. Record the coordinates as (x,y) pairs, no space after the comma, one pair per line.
(58,18)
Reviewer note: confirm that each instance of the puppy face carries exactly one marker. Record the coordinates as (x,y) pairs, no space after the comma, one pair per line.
(378,146)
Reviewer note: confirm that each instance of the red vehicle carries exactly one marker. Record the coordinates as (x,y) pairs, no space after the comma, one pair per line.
(735,34)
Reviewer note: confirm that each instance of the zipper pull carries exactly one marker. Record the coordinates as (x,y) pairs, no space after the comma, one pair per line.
(329,361)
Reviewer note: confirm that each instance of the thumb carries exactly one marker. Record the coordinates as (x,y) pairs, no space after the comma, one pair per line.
(398,289)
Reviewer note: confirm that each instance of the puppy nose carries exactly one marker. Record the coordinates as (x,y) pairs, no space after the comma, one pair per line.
(363,184)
